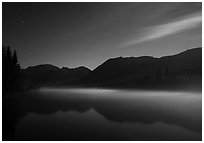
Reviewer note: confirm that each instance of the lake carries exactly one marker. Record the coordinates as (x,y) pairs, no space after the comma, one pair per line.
(104,114)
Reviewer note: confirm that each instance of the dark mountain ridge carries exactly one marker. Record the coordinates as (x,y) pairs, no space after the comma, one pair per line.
(50,75)
(178,70)
(175,71)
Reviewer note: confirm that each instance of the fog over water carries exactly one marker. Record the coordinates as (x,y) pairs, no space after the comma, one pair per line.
(110,114)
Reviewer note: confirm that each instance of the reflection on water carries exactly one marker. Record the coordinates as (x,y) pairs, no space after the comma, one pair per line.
(102,114)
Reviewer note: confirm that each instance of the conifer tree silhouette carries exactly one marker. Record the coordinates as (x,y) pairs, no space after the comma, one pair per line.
(11,70)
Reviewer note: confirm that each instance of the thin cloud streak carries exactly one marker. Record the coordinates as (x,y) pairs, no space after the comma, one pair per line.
(167,29)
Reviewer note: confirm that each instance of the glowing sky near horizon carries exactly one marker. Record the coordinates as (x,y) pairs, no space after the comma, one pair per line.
(75,34)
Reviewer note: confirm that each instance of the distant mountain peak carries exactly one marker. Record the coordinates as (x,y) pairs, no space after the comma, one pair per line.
(47,66)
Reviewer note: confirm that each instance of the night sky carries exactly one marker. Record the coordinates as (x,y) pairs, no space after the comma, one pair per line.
(87,34)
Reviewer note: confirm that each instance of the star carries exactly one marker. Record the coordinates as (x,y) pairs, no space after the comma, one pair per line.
(22,21)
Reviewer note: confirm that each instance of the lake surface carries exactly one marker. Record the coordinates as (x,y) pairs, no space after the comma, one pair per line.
(105,114)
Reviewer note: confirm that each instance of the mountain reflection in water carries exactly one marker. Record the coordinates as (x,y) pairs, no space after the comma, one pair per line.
(103,114)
